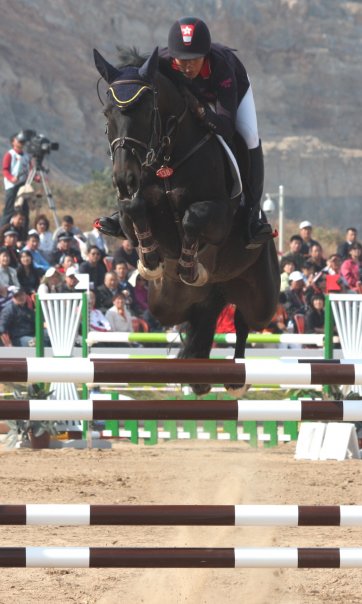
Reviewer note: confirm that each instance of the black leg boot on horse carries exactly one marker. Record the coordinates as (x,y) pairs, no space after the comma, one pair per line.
(259,230)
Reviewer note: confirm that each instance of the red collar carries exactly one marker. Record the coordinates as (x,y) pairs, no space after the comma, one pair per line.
(205,72)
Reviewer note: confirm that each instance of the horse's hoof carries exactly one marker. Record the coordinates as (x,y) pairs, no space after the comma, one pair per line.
(237,390)
(148,274)
(200,389)
(109,225)
(201,279)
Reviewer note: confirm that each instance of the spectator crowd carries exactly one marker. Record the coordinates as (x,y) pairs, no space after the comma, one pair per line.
(39,260)
(35,259)
(306,276)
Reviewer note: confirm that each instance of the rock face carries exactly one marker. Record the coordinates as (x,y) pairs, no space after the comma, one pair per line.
(303,58)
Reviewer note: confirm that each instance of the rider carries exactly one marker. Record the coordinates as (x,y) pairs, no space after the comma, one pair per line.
(214,75)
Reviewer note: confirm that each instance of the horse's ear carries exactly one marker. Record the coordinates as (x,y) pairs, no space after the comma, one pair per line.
(107,71)
(148,69)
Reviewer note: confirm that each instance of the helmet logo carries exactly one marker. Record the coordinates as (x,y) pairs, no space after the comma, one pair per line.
(187,31)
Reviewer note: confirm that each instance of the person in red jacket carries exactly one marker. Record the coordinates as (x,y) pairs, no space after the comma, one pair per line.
(15,166)
(225,103)
(225,321)
(351,269)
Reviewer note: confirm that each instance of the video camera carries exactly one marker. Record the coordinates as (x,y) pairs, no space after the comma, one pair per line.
(38,145)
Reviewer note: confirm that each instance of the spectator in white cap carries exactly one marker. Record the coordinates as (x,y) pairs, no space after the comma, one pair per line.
(305,231)
(70,280)
(51,282)
(296,303)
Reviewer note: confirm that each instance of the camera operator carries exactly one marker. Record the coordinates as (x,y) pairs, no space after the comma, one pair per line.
(16,166)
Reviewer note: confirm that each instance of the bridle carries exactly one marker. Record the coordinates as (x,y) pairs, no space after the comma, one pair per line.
(158,149)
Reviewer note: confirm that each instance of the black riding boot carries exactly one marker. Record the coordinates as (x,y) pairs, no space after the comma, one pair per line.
(110,225)
(259,230)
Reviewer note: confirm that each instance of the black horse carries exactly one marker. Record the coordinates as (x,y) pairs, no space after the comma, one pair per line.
(173,184)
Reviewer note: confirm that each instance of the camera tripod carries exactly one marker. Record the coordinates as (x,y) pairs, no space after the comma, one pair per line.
(39,170)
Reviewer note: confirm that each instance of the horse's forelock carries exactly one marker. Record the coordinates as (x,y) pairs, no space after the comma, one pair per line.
(130,56)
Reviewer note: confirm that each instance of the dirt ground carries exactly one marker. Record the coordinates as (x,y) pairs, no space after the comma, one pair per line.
(189,472)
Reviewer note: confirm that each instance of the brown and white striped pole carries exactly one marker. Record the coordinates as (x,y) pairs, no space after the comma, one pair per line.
(181,515)
(190,371)
(256,410)
(150,557)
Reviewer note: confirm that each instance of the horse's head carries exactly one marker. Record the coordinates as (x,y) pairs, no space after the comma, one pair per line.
(133,121)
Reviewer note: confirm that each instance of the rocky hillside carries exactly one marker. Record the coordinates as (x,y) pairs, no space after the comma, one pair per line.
(303,56)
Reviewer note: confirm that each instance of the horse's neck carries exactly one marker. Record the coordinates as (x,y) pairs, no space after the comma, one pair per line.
(172,102)
(170,98)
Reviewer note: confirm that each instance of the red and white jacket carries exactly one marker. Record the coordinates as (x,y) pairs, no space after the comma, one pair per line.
(15,165)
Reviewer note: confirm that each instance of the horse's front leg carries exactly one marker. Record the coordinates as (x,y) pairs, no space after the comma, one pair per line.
(200,332)
(242,332)
(189,269)
(206,220)
(150,263)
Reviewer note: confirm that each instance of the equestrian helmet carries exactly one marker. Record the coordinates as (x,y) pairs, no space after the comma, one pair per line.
(189,38)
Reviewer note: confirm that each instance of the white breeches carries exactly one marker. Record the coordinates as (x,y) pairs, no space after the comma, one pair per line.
(246,122)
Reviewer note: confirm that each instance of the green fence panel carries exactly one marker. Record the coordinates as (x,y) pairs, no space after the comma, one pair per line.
(151,425)
(132,426)
(210,426)
(271,428)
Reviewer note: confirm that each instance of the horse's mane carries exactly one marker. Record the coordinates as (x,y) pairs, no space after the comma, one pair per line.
(131,56)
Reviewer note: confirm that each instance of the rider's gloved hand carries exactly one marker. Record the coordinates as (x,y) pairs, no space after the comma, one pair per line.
(194,104)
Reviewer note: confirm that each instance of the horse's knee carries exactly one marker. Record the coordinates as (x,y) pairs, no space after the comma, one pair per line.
(135,209)
(207,219)
(192,224)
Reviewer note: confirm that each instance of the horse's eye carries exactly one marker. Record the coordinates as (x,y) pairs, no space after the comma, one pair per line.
(106,129)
